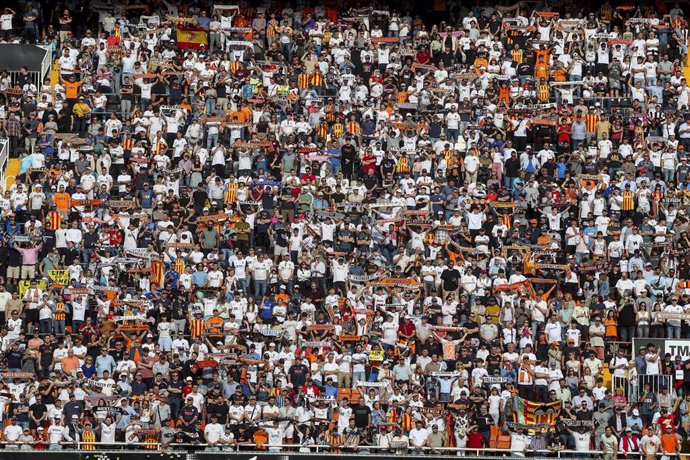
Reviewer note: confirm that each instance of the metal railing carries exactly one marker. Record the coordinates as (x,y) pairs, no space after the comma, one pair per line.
(314,449)
(632,389)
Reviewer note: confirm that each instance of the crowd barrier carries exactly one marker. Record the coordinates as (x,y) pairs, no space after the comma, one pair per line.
(633,387)
(147,451)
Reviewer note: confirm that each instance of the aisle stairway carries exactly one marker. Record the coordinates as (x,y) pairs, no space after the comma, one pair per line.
(11,172)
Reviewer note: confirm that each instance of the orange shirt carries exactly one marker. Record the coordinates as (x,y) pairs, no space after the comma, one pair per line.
(72,89)
(247,114)
(541,71)
(238,116)
(545,53)
(560,75)
(611,325)
(69,364)
(669,442)
(62,201)
(480,61)
(282,299)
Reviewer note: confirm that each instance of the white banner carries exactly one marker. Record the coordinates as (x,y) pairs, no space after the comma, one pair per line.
(361,383)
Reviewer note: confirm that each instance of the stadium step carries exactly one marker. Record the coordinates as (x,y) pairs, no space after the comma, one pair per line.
(11,172)
(54,77)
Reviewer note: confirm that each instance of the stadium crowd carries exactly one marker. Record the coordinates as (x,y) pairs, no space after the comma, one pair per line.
(349,227)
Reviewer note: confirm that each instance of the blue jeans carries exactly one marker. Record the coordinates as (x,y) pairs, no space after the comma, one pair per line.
(672,332)
(210,106)
(259,288)
(59,327)
(211,141)
(359,376)
(45,326)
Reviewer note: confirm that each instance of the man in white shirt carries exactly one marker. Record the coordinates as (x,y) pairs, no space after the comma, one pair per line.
(56,433)
(213,434)
(12,433)
(618,364)
(418,437)
(261,269)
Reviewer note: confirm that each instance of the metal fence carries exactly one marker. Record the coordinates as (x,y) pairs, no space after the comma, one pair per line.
(136,451)
(633,387)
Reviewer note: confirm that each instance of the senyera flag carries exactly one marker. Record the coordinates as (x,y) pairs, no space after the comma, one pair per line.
(191,37)
(528,412)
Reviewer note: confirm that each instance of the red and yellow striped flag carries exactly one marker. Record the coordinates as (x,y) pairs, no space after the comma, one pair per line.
(157,273)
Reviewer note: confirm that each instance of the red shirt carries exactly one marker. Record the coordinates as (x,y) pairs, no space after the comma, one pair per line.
(369,163)
(407,329)
(475,441)
(115,237)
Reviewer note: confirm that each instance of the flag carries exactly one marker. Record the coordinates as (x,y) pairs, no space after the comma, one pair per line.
(528,412)
(157,273)
(522,287)
(191,38)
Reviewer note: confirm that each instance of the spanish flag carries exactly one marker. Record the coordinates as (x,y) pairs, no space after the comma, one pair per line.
(534,413)
(191,38)
(157,273)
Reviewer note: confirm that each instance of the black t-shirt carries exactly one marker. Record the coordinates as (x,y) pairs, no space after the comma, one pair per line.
(361,415)
(14,359)
(38,410)
(221,410)
(388,166)
(451,278)
(370,181)
(472,325)
(281,237)
(127,96)
(199,197)
(484,423)
(18,411)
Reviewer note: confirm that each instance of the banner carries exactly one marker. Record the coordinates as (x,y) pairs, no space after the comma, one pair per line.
(405,283)
(431,411)
(18,375)
(315,344)
(142,253)
(25,284)
(376,355)
(533,426)
(531,412)
(362,278)
(673,315)
(571,423)
(492,380)
(245,44)
(361,383)
(191,38)
(445,374)
(271,332)
(675,347)
(60,277)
